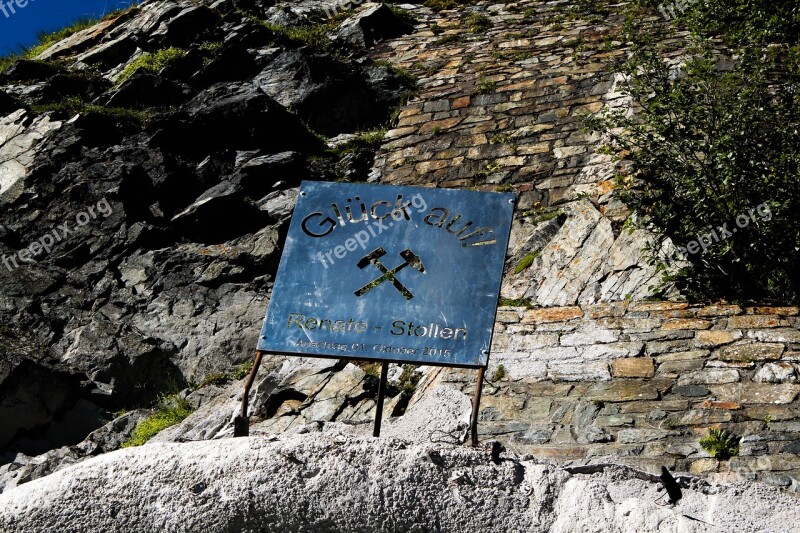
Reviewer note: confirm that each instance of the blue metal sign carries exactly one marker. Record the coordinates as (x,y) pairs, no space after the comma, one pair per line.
(401,274)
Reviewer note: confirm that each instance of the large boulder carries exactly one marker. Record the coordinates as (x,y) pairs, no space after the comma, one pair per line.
(331,96)
(317,482)
(232,117)
(145,89)
(371,24)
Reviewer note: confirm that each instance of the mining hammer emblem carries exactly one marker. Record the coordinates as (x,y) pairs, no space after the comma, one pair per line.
(374,257)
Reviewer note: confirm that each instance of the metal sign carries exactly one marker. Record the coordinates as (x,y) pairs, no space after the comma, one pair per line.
(400,274)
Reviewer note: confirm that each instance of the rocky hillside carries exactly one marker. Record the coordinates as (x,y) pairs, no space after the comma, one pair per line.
(150,161)
(148,171)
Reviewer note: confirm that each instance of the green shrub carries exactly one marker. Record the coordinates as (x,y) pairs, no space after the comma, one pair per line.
(369,368)
(738,21)
(364,140)
(720,445)
(211,47)
(544,217)
(440,5)
(221,378)
(447,39)
(172,410)
(403,14)
(704,146)
(45,41)
(400,71)
(154,62)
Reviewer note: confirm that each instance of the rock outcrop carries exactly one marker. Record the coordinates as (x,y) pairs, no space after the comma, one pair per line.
(336,482)
(142,210)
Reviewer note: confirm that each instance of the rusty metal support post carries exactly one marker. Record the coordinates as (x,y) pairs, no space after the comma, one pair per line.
(376,432)
(241,425)
(476,405)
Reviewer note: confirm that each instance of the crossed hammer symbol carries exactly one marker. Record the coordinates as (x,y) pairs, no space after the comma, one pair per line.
(411,259)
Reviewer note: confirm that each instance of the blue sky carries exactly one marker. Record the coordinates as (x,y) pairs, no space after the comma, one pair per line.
(20,29)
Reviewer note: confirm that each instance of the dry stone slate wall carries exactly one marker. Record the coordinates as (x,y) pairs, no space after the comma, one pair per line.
(502,109)
(644,382)
(593,368)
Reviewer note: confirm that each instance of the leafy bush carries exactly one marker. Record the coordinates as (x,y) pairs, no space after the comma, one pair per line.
(315,35)
(172,410)
(738,21)
(217,378)
(440,5)
(364,140)
(720,445)
(403,14)
(46,40)
(708,144)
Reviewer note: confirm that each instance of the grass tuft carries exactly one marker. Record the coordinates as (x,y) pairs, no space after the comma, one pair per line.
(525,262)
(154,63)
(477,22)
(500,373)
(516,302)
(73,106)
(172,411)
(46,40)
(486,87)
(720,445)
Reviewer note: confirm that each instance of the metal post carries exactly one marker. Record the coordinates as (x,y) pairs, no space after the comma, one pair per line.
(241,424)
(376,432)
(476,405)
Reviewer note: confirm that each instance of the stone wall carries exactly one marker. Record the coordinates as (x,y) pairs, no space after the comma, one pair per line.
(503,109)
(643,382)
